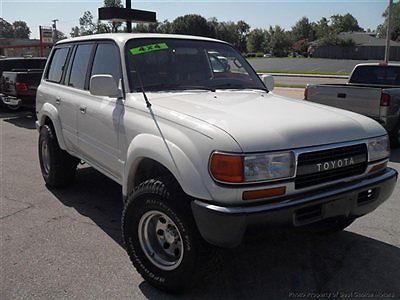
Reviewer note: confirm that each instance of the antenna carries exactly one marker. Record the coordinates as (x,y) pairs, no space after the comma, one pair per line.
(148,104)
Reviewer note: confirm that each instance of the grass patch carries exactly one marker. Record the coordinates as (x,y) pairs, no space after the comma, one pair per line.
(294,86)
(303,72)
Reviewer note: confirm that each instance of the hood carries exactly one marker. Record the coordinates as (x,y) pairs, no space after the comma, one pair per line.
(260,121)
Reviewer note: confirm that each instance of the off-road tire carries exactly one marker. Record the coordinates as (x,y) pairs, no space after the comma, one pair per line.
(62,166)
(165,196)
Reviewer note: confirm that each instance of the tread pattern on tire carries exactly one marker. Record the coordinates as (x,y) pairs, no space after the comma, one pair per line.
(62,165)
(167,191)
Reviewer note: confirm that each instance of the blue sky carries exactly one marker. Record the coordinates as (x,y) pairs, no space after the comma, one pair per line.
(258,13)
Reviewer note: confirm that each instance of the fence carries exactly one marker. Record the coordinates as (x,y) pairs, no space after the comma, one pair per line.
(357,52)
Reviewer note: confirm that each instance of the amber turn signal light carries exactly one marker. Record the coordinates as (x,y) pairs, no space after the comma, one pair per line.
(378,167)
(227,168)
(265,193)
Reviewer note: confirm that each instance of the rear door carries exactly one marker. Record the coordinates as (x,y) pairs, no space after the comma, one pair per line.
(99,117)
(53,91)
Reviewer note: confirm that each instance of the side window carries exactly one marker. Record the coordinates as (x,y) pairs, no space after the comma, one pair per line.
(107,61)
(57,64)
(79,68)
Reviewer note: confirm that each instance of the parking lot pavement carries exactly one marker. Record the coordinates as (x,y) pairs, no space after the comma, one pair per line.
(306,64)
(66,243)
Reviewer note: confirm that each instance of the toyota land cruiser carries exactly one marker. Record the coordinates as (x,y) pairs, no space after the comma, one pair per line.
(201,146)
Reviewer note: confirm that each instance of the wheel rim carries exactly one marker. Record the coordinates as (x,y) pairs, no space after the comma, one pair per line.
(45,156)
(160,240)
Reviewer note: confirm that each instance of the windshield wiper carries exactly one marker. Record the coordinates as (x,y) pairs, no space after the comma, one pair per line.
(171,87)
(229,86)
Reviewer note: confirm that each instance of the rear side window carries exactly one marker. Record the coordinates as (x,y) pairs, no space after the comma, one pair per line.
(107,61)
(79,68)
(57,64)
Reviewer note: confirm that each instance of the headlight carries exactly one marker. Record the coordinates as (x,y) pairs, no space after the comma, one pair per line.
(378,148)
(250,168)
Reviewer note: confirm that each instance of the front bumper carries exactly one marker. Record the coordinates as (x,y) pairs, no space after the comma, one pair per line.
(226,226)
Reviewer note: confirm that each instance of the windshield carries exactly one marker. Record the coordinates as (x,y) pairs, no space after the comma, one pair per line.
(178,64)
(381,75)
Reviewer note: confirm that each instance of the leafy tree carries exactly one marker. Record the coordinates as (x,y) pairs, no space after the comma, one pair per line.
(321,28)
(74,31)
(395,23)
(256,41)
(192,24)
(280,43)
(303,29)
(146,28)
(59,35)
(243,30)
(301,47)
(228,31)
(344,23)
(21,30)
(87,26)
(6,29)
(164,27)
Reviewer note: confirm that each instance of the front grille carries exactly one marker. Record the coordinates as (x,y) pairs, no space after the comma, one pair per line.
(307,162)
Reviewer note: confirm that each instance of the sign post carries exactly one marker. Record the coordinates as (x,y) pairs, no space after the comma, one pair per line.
(46,38)
(120,14)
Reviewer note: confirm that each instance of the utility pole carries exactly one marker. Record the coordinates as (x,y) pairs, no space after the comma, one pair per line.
(54,30)
(388,32)
(128,5)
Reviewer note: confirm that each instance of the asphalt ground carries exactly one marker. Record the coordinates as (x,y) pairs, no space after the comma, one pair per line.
(305,64)
(66,243)
(303,81)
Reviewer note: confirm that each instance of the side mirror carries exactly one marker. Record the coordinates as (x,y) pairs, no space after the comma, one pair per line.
(104,85)
(269,81)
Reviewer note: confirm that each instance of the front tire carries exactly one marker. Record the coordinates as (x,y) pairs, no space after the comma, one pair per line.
(58,167)
(161,237)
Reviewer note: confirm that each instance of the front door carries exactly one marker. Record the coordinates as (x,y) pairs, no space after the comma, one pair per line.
(99,117)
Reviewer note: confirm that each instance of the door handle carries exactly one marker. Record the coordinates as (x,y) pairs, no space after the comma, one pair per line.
(58,100)
(82,109)
(341,95)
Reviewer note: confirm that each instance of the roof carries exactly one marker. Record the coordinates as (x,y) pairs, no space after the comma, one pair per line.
(390,64)
(121,38)
(365,39)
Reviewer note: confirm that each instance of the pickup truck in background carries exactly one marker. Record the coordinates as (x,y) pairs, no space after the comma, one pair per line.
(373,90)
(19,79)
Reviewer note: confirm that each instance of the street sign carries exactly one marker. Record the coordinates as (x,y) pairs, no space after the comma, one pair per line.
(120,14)
(46,35)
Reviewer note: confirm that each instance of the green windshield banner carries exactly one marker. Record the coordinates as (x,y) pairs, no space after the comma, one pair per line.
(148,48)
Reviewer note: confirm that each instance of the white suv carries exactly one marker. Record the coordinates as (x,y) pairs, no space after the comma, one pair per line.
(202,148)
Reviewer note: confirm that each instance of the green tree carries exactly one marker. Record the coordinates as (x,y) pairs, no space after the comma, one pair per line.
(21,30)
(280,43)
(321,28)
(60,35)
(192,24)
(344,23)
(146,28)
(164,27)
(86,23)
(243,30)
(6,29)
(395,23)
(256,41)
(303,29)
